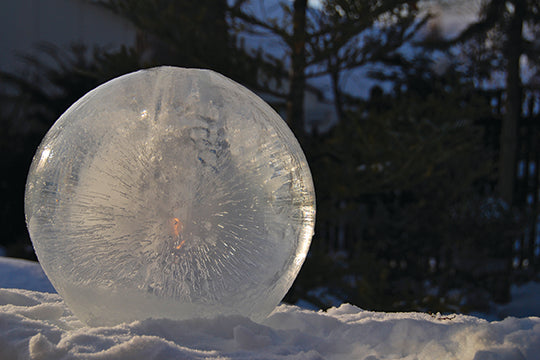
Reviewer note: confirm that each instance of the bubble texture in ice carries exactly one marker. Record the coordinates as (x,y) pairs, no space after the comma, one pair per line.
(171,193)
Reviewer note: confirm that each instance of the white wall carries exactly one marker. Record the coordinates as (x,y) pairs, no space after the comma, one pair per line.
(24,23)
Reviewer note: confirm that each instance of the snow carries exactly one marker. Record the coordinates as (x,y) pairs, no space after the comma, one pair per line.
(23,274)
(525,302)
(38,325)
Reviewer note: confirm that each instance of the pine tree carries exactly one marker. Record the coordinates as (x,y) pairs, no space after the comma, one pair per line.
(355,33)
(406,169)
(297,73)
(499,31)
(331,40)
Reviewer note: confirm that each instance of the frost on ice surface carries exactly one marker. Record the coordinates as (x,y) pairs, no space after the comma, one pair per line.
(170,193)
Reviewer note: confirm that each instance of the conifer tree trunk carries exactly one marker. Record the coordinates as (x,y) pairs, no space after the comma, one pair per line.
(338,98)
(297,78)
(509,131)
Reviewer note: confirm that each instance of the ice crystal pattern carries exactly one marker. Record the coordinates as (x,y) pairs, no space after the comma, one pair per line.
(171,193)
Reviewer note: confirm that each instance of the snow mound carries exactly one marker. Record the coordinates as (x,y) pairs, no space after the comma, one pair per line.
(23,274)
(525,301)
(37,325)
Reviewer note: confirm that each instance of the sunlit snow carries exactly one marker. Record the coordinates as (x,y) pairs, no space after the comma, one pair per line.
(38,325)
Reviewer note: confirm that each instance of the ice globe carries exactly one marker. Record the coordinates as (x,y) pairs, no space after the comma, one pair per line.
(170,193)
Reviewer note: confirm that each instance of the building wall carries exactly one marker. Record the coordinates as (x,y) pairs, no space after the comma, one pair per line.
(27,23)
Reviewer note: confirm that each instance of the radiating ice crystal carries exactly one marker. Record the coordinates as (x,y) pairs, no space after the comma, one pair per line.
(171,193)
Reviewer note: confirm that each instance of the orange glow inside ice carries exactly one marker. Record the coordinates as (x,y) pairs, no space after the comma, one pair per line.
(176,229)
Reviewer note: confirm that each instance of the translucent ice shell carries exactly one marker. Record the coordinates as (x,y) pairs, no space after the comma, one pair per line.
(170,193)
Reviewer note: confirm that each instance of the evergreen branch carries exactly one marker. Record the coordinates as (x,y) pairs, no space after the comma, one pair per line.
(252,20)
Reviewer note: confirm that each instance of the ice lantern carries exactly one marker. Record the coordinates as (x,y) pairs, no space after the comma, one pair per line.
(170,193)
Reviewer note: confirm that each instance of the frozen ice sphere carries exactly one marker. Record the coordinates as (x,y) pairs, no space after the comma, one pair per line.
(171,193)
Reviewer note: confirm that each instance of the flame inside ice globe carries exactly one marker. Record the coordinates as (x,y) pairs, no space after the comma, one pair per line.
(171,193)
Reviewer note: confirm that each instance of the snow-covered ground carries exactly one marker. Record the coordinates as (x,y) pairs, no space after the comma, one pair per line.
(525,302)
(36,324)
